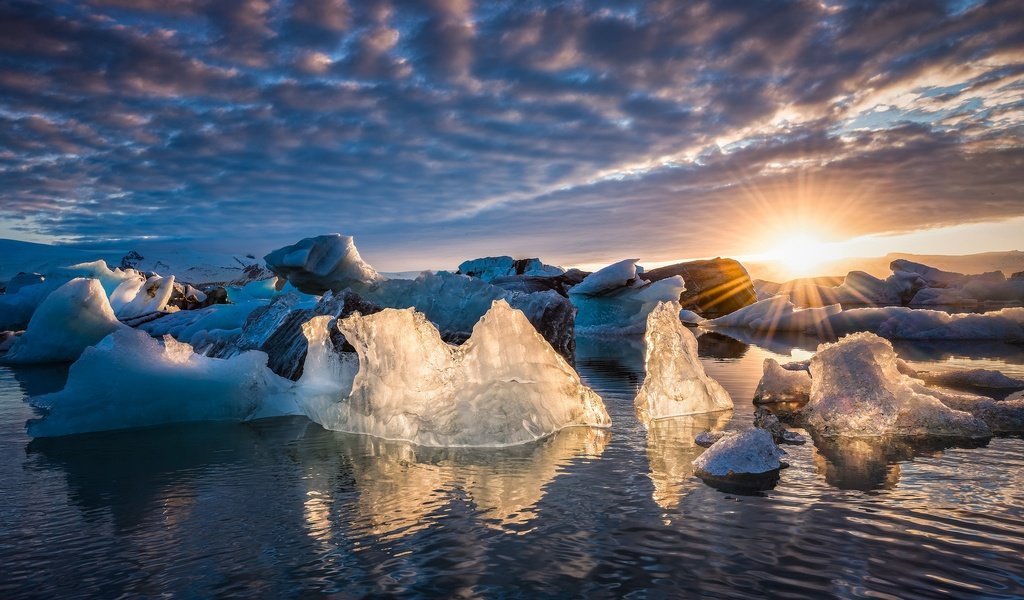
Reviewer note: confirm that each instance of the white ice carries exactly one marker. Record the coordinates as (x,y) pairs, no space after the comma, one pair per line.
(70,319)
(132,380)
(676,383)
(749,452)
(858,391)
(495,267)
(898,322)
(775,314)
(151,296)
(327,262)
(972,378)
(504,386)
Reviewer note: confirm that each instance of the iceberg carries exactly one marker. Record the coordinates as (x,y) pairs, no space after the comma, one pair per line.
(496,267)
(73,317)
(151,296)
(858,391)
(898,322)
(676,383)
(777,314)
(1001,416)
(779,384)
(505,386)
(132,380)
(972,379)
(317,264)
(614,300)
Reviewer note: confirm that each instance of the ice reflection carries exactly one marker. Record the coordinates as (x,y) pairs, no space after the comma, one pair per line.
(671,450)
(868,464)
(402,488)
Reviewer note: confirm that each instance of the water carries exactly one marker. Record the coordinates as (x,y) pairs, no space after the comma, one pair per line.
(282,508)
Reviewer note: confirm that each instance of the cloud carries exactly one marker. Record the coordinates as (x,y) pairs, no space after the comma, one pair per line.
(582,132)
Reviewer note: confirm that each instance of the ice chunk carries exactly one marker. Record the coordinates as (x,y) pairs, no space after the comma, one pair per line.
(327,262)
(133,380)
(858,391)
(189,325)
(494,267)
(23,280)
(764,419)
(776,314)
(504,386)
(676,383)
(779,384)
(670,453)
(705,439)
(615,301)
(151,296)
(73,317)
(734,457)
(1001,416)
(972,378)
(898,322)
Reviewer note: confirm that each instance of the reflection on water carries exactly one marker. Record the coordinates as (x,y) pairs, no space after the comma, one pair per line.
(283,508)
(671,451)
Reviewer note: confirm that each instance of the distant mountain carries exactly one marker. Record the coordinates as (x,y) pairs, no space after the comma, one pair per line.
(192,267)
(1008,262)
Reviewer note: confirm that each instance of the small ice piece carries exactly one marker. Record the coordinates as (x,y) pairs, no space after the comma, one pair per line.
(689,317)
(776,314)
(73,317)
(972,378)
(858,391)
(317,264)
(504,386)
(766,420)
(676,383)
(132,380)
(748,453)
(705,439)
(779,384)
(615,301)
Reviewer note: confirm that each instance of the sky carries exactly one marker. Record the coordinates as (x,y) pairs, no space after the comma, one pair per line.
(580,132)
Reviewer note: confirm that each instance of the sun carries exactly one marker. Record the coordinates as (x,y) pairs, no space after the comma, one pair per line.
(800,255)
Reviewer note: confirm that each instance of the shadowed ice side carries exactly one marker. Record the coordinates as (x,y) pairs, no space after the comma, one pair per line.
(506,385)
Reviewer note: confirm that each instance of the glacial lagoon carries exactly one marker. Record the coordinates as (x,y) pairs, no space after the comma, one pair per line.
(283,508)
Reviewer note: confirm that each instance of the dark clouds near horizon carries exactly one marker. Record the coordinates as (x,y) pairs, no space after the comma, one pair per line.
(446,128)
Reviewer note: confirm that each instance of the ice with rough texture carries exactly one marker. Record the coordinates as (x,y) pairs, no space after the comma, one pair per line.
(151,296)
(749,452)
(504,386)
(858,391)
(1001,416)
(495,267)
(205,324)
(72,318)
(972,378)
(899,322)
(776,314)
(779,384)
(132,380)
(616,301)
(317,264)
(676,383)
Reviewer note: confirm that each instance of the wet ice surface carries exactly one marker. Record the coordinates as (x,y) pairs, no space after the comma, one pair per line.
(286,509)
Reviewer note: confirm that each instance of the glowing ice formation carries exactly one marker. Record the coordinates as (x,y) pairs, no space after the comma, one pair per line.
(775,314)
(782,385)
(504,386)
(73,317)
(858,391)
(676,383)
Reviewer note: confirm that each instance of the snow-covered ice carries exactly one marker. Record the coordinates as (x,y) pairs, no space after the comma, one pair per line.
(504,386)
(857,391)
(317,264)
(152,296)
(750,452)
(495,267)
(676,383)
(70,319)
(132,380)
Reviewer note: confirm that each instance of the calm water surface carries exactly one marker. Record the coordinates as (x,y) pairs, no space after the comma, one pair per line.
(283,508)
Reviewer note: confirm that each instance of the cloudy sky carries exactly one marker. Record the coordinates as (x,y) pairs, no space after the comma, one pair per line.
(436,130)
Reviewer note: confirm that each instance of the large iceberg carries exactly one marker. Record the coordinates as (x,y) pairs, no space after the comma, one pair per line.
(496,267)
(676,383)
(504,386)
(317,264)
(132,380)
(717,286)
(70,319)
(615,300)
(858,391)
(777,314)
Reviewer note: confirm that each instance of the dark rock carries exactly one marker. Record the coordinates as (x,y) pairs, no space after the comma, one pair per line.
(528,284)
(765,419)
(131,260)
(186,297)
(554,317)
(714,287)
(23,280)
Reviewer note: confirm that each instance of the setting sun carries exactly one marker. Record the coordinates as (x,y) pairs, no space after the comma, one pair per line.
(799,254)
